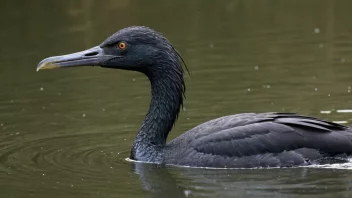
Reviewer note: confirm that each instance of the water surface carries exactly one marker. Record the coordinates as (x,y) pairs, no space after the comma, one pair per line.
(66,133)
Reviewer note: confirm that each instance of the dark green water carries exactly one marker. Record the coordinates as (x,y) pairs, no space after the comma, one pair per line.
(66,133)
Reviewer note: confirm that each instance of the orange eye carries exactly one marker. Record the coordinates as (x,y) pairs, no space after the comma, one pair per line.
(122,45)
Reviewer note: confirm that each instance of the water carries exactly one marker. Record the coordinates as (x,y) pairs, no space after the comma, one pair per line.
(66,133)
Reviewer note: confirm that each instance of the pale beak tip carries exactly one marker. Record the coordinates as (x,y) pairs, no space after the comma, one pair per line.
(47,65)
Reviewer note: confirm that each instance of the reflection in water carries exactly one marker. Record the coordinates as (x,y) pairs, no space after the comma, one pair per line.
(77,126)
(163,181)
(157,180)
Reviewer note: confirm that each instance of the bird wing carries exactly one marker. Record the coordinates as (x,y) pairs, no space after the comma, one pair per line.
(252,134)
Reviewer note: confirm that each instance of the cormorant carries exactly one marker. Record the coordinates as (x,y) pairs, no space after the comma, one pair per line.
(235,141)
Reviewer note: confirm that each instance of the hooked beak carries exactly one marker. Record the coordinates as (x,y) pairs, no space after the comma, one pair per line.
(92,57)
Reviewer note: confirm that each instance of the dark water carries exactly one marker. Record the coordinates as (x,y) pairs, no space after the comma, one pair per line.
(66,133)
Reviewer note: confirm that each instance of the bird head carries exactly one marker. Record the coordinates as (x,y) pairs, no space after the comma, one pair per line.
(135,48)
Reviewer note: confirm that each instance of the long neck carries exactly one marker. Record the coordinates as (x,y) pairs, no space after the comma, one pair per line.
(167,98)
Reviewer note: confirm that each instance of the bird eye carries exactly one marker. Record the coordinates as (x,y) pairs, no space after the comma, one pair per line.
(122,45)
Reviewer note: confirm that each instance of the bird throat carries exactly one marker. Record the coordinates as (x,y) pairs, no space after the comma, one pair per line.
(166,101)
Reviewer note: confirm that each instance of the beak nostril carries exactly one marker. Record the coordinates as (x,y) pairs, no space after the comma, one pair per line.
(91,54)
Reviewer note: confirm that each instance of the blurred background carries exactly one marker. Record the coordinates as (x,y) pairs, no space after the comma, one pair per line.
(66,133)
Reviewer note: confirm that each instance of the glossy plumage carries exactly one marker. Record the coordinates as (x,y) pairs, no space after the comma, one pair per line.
(235,141)
(260,140)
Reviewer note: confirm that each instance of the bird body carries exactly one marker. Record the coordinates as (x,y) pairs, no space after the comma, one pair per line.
(260,140)
(236,141)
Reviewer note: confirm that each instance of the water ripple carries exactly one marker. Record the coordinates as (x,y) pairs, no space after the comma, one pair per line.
(85,156)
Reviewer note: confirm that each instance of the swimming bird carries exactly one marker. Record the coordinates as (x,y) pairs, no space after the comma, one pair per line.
(235,141)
